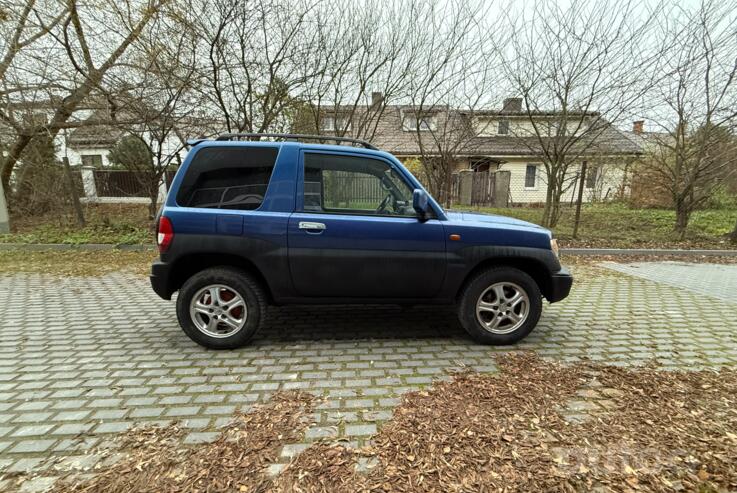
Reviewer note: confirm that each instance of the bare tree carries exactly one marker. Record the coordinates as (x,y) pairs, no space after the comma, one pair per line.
(253,50)
(696,108)
(162,107)
(34,67)
(456,77)
(579,68)
(365,58)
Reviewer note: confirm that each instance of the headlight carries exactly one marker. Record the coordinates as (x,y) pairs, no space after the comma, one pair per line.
(554,246)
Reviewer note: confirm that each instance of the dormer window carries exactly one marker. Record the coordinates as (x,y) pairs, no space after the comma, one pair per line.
(503,127)
(333,124)
(412,122)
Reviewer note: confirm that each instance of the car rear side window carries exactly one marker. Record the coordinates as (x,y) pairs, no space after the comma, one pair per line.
(228,177)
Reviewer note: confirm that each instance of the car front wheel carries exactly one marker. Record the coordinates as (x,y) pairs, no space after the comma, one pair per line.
(220,308)
(500,306)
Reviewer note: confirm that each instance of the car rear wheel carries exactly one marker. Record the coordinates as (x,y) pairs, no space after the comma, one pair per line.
(220,308)
(500,306)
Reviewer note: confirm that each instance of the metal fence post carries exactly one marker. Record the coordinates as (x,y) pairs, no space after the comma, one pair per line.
(4,219)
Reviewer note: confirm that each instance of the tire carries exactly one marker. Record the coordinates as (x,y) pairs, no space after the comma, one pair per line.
(512,323)
(220,291)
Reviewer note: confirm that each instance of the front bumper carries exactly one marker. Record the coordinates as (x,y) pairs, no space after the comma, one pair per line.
(560,285)
(160,279)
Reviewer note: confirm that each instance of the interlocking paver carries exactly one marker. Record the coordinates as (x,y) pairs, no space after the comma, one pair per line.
(115,357)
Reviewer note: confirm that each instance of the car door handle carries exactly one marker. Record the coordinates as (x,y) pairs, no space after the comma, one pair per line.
(313,228)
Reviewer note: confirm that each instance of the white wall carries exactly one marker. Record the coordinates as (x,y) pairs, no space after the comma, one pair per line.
(609,178)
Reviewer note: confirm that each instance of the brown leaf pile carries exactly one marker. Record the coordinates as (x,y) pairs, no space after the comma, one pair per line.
(655,431)
(322,467)
(666,431)
(154,460)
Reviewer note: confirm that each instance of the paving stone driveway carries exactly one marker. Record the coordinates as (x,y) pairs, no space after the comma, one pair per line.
(83,359)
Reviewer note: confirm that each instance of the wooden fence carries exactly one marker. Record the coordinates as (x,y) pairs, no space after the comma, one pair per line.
(480,188)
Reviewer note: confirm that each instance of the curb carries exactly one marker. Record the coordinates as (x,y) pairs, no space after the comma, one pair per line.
(37,247)
(64,247)
(648,251)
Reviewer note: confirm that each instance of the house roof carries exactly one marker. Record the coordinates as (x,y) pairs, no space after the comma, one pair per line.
(390,134)
(100,131)
(391,137)
(97,132)
(525,114)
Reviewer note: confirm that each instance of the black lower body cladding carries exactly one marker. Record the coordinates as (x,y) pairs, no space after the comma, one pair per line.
(560,285)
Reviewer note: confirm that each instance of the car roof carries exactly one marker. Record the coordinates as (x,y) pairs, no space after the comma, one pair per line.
(301,145)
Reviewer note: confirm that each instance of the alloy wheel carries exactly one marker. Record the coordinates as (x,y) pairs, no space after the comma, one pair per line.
(218,311)
(502,308)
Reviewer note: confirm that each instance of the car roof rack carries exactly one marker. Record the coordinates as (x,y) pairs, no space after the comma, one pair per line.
(295,137)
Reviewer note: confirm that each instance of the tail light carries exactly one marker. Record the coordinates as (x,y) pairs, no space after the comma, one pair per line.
(164,234)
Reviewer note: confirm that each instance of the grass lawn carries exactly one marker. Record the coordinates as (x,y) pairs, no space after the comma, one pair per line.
(77,263)
(106,223)
(602,225)
(618,226)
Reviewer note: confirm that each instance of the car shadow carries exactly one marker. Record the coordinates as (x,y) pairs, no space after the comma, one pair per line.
(346,322)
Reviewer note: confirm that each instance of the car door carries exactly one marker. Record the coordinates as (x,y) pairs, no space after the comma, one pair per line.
(343,244)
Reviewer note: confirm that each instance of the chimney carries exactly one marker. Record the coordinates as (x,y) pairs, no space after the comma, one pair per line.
(376,98)
(637,126)
(512,105)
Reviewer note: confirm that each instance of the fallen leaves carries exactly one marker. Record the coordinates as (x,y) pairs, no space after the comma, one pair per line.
(155,460)
(505,433)
(667,431)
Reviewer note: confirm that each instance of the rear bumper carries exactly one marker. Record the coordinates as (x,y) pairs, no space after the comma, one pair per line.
(560,285)
(160,279)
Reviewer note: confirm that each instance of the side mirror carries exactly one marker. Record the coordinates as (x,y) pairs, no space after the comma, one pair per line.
(420,203)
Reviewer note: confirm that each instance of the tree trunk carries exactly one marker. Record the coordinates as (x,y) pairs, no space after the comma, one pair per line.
(153,205)
(555,210)
(547,211)
(733,234)
(9,162)
(682,217)
(580,200)
(153,195)
(73,193)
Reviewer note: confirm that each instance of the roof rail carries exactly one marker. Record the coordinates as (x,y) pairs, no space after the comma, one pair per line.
(295,137)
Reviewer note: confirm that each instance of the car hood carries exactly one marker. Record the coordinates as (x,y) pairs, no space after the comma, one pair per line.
(489,229)
(490,218)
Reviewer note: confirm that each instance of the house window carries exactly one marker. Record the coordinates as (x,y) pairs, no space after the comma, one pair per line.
(592,176)
(92,160)
(424,123)
(503,128)
(327,123)
(531,176)
(332,124)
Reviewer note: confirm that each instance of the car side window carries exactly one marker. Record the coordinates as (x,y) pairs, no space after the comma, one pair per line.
(228,177)
(342,184)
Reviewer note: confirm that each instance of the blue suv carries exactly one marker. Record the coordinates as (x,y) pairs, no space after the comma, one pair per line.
(250,222)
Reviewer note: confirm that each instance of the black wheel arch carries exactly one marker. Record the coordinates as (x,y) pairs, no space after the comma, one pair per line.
(535,268)
(185,266)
